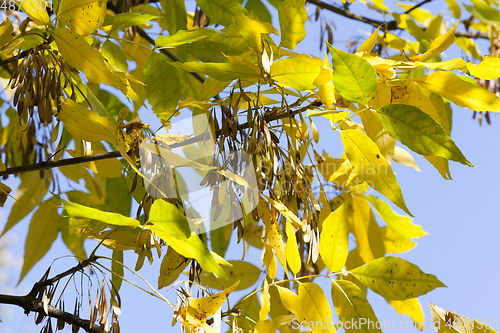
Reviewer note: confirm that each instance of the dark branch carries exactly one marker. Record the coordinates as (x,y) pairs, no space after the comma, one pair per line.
(151,41)
(51,164)
(30,305)
(279,114)
(391,25)
(416,6)
(31,302)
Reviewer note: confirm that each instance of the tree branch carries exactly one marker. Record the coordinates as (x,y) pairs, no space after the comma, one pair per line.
(31,302)
(151,41)
(30,305)
(391,25)
(416,6)
(51,164)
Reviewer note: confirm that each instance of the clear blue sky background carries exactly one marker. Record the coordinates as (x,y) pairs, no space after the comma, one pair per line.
(460,215)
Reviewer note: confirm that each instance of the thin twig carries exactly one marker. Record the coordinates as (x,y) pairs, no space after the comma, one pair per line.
(151,41)
(31,302)
(416,6)
(391,25)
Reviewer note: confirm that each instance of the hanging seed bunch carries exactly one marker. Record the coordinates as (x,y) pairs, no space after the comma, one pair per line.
(39,80)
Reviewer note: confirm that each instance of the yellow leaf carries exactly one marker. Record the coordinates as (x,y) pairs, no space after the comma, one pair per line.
(244,272)
(265,300)
(396,279)
(270,261)
(460,92)
(87,124)
(292,17)
(487,69)
(368,44)
(333,245)
(29,194)
(251,30)
(310,305)
(79,54)
(292,250)
(82,16)
(44,228)
(468,45)
(448,65)
(4,193)
(365,229)
(171,267)
(339,172)
(441,164)
(273,232)
(402,156)
(198,309)
(394,242)
(371,125)
(296,73)
(280,207)
(447,321)
(454,8)
(410,307)
(400,224)
(6,29)
(366,157)
(211,87)
(438,45)
(36,10)
(351,306)
(110,168)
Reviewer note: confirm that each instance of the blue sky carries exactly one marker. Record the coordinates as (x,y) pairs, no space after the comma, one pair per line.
(462,217)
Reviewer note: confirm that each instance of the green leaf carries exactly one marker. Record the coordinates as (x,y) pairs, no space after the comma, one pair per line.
(166,217)
(117,269)
(125,20)
(354,78)
(258,9)
(172,226)
(221,11)
(44,228)
(351,305)
(175,15)
(334,241)
(419,132)
(162,83)
(295,73)
(400,224)
(243,271)
(29,194)
(77,210)
(73,239)
(292,16)
(114,55)
(365,156)
(396,279)
(223,72)
(184,37)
